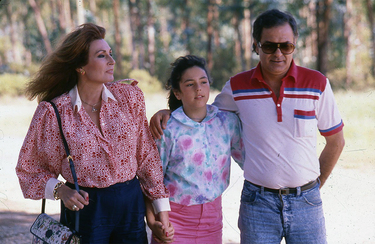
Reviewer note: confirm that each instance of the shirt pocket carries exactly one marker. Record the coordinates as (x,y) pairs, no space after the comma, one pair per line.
(305,123)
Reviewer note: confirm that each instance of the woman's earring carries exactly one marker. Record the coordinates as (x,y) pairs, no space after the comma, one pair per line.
(82,71)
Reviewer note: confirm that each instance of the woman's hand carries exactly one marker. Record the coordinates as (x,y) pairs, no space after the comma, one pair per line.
(160,233)
(166,226)
(158,122)
(162,229)
(72,199)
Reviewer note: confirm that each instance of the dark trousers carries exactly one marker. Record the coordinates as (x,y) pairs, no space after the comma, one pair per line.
(114,215)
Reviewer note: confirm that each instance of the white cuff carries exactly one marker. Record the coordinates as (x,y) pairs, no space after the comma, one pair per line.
(48,192)
(161,205)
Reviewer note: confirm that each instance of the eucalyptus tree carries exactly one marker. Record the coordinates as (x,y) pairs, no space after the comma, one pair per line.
(41,25)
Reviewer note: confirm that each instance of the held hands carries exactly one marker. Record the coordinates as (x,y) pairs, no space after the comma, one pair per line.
(158,122)
(160,234)
(162,231)
(72,199)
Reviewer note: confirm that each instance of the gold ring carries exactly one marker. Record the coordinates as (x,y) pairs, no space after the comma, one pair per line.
(74,208)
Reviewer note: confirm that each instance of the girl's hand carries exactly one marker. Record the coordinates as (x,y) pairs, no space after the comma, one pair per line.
(162,229)
(168,229)
(72,199)
(162,234)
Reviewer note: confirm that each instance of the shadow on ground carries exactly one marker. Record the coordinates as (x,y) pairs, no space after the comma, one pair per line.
(15,227)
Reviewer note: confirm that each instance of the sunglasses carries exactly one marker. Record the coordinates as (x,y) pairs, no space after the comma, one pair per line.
(271,47)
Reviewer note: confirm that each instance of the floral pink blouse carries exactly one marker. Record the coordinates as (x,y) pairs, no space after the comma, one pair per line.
(124,149)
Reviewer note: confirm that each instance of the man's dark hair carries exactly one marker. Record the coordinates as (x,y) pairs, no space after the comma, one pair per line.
(272,18)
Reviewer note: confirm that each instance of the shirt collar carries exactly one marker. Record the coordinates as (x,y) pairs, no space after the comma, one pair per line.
(180,116)
(77,102)
(290,75)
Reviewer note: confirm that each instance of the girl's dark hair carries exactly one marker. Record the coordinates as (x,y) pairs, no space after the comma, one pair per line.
(272,18)
(57,73)
(178,68)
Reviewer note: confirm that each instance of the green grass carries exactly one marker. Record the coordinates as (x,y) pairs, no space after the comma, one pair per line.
(357,110)
(12,84)
(15,116)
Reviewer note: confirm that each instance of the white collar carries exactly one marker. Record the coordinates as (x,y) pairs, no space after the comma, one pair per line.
(76,99)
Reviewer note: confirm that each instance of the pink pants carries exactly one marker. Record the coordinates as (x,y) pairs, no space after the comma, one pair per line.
(201,223)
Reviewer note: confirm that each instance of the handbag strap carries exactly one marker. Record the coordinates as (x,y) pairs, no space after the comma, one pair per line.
(67,151)
(71,163)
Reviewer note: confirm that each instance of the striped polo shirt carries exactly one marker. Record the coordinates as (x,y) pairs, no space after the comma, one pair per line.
(280,134)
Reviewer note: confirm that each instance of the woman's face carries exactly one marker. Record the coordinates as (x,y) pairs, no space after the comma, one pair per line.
(99,68)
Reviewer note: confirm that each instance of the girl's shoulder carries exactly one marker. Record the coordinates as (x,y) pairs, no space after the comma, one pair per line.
(225,115)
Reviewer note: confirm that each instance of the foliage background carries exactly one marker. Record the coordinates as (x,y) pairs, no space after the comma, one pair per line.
(335,36)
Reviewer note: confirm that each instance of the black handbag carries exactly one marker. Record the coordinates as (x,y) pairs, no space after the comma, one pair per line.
(46,229)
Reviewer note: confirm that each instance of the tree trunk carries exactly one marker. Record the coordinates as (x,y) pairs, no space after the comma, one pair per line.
(68,16)
(16,53)
(308,52)
(210,16)
(216,26)
(133,29)
(140,41)
(93,7)
(185,26)
(348,26)
(164,34)
(118,40)
(94,12)
(80,12)
(41,26)
(370,16)
(323,18)
(53,16)
(247,34)
(61,12)
(151,38)
(26,42)
(238,41)
(313,38)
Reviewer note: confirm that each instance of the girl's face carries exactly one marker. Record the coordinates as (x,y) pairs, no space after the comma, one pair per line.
(194,89)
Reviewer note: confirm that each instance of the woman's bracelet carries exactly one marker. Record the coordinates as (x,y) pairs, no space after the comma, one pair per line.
(57,186)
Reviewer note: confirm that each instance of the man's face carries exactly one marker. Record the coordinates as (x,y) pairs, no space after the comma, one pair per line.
(275,65)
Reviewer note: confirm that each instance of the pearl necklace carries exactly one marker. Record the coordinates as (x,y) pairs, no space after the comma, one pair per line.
(93,110)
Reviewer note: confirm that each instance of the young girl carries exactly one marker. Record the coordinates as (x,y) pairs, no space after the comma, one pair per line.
(195,150)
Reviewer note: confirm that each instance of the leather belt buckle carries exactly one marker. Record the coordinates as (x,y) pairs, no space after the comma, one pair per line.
(284,191)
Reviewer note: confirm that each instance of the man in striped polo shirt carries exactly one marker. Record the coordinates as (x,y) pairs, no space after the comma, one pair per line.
(281,106)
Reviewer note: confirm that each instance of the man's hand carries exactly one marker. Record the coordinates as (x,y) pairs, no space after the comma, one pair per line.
(330,154)
(158,122)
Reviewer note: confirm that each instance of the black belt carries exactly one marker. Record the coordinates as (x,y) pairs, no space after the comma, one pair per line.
(286,191)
